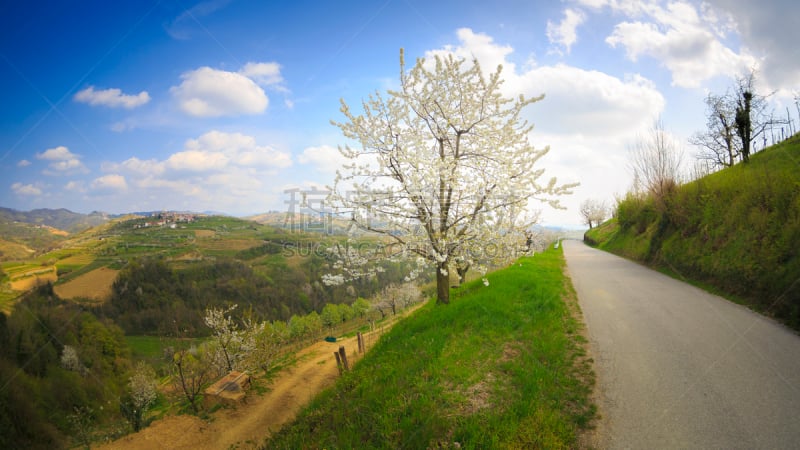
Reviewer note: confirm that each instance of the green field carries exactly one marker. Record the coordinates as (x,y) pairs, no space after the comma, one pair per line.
(7,298)
(151,348)
(502,366)
(14,269)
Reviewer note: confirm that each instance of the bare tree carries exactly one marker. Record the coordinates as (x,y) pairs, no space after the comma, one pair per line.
(593,212)
(656,161)
(718,143)
(734,121)
(796,104)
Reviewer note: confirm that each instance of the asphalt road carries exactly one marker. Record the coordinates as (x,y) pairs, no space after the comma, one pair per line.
(680,368)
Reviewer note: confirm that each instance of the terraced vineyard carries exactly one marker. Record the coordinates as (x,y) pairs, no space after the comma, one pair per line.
(85,264)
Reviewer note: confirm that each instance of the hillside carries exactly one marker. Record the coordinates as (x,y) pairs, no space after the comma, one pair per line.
(736,231)
(62,219)
(142,272)
(75,322)
(21,240)
(500,367)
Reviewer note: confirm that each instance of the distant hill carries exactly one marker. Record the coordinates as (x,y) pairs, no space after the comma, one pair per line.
(62,219)
(304,221)
(736,230)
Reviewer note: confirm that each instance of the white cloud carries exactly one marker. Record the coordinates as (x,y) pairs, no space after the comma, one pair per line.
(135,165)
(66,166)
(266,74)
(197,161)
(478,46)
(207,92)
(75,186)
(113,98)
(587,117)
(590,103)
(770,29)
(23,163)
(577,101)
(214,151)
(217,170)
(324,158)
(109,184)
(686,42)
(238,150)
(595,4)
(564,34)
(59,153)
(62,161)
(26,189)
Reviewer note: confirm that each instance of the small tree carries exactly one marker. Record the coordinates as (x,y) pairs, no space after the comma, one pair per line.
(331,315)
(361,306)
(81,421)
(346,312)
(398,296)
(226,349)
(451,153)
(190,373)
(142,392)
(71,361)
(593,212)
(263,341)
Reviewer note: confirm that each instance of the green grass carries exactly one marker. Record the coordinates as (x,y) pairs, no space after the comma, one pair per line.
(7,299)
(70,272)
(14,269)
(151,348)
(500,367)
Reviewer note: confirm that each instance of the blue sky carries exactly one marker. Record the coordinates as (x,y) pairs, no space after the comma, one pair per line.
(224,105)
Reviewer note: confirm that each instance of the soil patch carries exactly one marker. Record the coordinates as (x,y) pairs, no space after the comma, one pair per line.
(95,285)
(31,279)
(204,233)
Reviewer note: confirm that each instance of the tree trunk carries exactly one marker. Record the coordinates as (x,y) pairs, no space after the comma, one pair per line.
(462,274)
(442,284)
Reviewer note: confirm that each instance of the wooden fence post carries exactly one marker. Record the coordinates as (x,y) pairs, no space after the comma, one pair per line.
(343,355)
(338,361)
(361,348)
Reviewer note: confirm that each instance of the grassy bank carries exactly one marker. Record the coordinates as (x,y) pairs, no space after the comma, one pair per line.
(500,367)
(737,230)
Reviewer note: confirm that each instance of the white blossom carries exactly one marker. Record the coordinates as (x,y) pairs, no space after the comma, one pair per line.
(454,170)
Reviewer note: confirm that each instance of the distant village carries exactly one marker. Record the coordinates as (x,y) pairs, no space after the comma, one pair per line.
(166,219)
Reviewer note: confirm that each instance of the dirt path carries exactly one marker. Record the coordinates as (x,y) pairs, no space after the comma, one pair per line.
(247,425)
